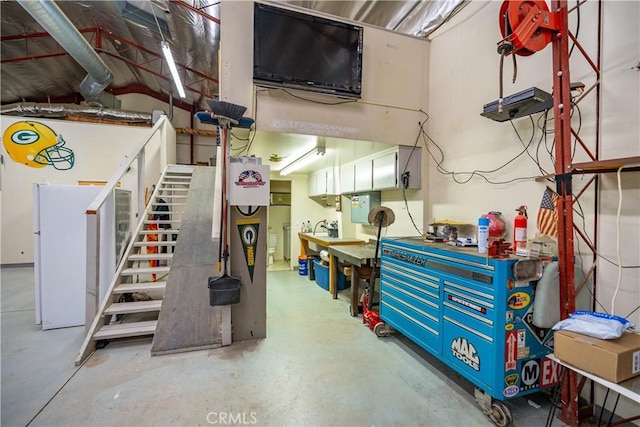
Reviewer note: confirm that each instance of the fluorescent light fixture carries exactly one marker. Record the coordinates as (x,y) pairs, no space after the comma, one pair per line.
(302,161)
(172,66)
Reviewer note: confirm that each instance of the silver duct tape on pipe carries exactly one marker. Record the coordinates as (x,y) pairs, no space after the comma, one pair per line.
(90,89)
(56,23)
(32,109)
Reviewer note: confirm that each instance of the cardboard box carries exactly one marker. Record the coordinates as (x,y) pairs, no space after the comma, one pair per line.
(614,360)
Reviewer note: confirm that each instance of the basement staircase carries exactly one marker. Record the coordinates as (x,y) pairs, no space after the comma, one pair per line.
(133,301)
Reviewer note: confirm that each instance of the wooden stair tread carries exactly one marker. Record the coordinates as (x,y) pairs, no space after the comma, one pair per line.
(158,243)
(165,212)
(145,270)
(133,307)
(149,257)
(124,330)
(125,288)
(159,231)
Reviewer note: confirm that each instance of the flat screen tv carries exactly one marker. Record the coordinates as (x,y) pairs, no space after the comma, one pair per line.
(292,49)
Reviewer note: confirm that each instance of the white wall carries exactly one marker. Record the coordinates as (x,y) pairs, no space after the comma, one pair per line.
(395,76)
(98,150)
(204,148)
(394,87)
(403,225)
(464,77)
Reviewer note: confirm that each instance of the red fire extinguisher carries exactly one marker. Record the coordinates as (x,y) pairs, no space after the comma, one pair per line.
(520,231)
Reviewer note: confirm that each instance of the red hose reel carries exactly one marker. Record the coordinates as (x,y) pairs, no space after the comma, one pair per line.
(527,26)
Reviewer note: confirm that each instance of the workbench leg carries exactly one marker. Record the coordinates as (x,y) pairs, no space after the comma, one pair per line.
(355,290)
(333,274)
(304,247)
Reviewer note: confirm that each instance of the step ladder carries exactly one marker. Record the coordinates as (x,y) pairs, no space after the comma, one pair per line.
(132,304)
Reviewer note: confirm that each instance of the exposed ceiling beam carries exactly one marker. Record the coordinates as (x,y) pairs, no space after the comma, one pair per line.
(192,78)
(194,9)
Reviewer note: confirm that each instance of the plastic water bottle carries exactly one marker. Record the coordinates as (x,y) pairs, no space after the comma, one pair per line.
(483,234)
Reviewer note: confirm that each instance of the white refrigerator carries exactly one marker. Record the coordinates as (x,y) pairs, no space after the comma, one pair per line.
(59,226)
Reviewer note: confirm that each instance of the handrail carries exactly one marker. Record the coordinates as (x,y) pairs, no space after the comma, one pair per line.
(101,197)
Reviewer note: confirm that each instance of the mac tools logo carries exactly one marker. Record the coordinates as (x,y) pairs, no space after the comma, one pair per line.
(250,179)
(464,351)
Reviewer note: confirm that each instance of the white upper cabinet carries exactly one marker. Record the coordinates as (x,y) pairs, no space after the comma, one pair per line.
(398,167)
(363,175)
(347,178)
(322,182)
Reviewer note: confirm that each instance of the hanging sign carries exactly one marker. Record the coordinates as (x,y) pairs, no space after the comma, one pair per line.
(248,229)
(249,184)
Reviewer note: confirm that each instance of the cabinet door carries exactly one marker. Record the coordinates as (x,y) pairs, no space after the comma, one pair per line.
(321,182)
(331,186)
(386,171)
(347,178)
(364,176)
(313,184)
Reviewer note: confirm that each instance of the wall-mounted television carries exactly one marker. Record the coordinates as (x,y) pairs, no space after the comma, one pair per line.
(292,49)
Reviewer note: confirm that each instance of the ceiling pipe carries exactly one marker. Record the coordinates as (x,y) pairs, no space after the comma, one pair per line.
(32,109)
(56,23)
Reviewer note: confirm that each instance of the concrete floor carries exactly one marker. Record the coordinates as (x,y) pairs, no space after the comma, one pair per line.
(317,367)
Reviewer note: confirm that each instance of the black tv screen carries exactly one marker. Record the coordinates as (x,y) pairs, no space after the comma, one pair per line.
(292,49)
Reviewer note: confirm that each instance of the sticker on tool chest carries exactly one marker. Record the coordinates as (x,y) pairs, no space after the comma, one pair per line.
(511,351)
(549,343)
(530,375)
(550,372)
(511,379)
(539,333)
(524,353)
(466,352)
(511,391)
(467,304)
(518,300)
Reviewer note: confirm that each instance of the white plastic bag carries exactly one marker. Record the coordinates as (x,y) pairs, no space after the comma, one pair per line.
(596,325)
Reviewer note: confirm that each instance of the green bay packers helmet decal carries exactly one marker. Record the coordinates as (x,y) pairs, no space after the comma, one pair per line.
(36,145)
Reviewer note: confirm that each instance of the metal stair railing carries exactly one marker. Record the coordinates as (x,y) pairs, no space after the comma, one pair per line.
(98,320)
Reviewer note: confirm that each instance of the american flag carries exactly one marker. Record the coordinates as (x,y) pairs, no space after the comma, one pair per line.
(548,213)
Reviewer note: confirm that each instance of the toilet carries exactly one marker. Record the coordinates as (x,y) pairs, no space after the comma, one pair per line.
(273,240)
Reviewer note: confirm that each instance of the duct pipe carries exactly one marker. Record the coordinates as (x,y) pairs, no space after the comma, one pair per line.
(32,109)
(55,22)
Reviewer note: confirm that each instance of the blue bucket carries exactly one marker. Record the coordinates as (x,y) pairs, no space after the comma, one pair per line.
(302,265)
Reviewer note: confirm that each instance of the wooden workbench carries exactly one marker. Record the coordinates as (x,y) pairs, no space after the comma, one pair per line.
(327,242)
(361,260)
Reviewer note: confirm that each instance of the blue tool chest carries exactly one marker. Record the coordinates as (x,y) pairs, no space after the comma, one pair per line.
(469,311)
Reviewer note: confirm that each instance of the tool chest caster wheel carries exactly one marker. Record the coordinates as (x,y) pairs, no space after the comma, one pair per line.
(500,415)
(381,330)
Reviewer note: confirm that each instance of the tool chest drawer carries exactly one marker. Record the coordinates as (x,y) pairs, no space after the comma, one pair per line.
(470,308)
(471,352)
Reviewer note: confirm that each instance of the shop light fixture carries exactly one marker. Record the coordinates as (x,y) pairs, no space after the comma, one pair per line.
(172,66)
(304,160)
